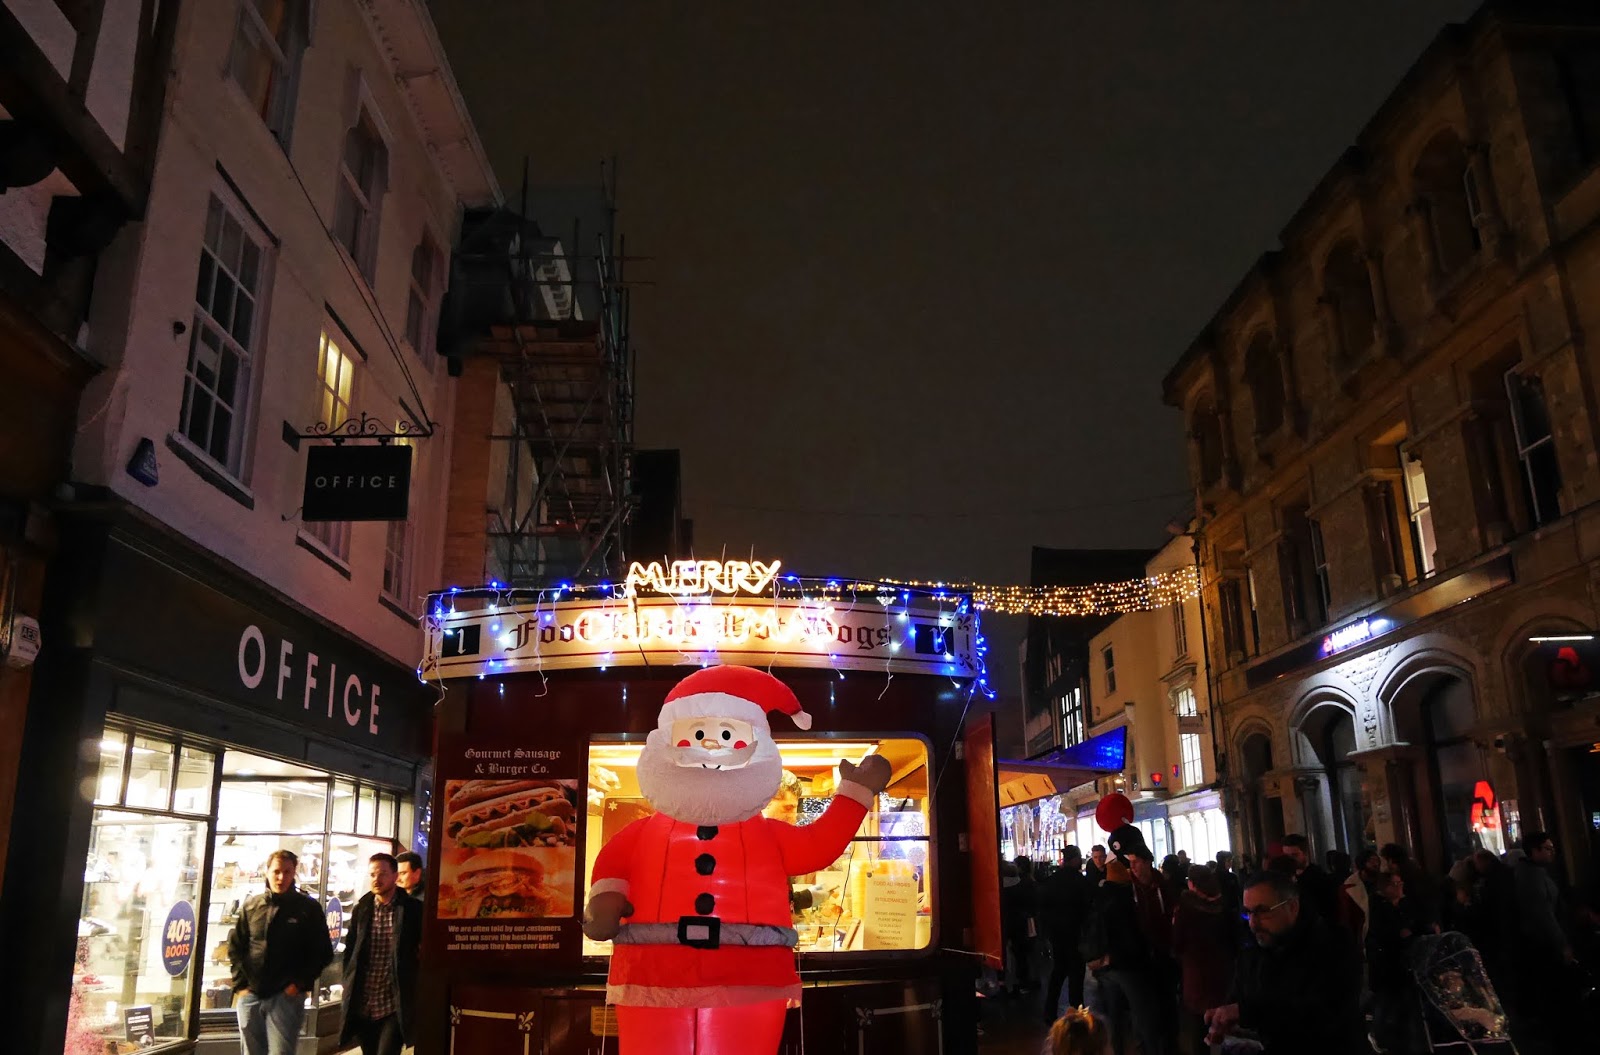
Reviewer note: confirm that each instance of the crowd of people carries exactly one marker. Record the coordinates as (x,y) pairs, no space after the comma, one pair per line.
(1287,955)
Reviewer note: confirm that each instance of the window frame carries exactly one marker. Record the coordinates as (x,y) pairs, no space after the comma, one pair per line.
(1197,776)
(1179,695)
(1073,718)
(1180,630)
(398,593)
(365,201)
(1418,514)
(1319,565)
(425,295)
(1519,385)
(1108,660)
(230,209)
(277,108)
(333,537)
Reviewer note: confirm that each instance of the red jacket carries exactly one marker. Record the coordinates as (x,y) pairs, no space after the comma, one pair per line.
(1204,940)
(737,873)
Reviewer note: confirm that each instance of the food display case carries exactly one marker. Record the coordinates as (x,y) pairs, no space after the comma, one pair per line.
(558,689)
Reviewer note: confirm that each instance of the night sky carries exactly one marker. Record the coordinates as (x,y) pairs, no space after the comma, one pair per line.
(919,268)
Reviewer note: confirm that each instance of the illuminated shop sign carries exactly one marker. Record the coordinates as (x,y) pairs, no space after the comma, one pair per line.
(1353,634)
(919,637)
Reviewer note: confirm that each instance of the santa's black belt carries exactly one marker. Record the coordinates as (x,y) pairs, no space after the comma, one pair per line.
(706,932)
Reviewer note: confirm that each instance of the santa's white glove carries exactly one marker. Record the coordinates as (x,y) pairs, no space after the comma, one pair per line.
(873,773)
(603,916)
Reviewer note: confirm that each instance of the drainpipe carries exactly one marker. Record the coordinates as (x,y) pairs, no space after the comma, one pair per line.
(1212,703)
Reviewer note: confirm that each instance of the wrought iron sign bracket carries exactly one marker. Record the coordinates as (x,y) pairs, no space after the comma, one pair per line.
(363,427)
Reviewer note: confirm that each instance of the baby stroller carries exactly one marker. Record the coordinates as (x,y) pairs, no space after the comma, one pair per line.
(1459,1006)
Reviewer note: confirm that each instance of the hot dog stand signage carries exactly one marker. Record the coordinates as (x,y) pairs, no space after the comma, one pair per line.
(692,612)
(508,847)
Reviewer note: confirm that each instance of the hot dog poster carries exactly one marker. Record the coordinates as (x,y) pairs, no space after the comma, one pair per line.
(507,830)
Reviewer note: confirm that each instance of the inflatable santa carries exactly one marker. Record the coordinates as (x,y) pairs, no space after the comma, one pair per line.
(696,897)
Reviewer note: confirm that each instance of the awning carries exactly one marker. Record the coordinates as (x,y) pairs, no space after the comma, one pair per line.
(1062,770)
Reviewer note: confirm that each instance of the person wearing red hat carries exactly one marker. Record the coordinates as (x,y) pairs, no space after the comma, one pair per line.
(696,897)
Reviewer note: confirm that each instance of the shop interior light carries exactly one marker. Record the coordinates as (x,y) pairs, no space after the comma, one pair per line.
(809,753)
(1561,637)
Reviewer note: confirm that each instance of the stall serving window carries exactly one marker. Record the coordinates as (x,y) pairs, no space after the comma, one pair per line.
(332,823)
(132,981)
(878,895)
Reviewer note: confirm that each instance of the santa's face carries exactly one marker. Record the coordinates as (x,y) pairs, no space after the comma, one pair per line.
(713,743)
(723,790)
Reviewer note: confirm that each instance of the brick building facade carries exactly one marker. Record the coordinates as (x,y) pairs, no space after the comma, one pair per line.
(1392,426)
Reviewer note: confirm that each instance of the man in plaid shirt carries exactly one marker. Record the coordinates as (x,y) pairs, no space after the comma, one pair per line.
(380,963)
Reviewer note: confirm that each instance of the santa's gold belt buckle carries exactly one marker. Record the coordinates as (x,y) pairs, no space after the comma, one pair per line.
(700,932)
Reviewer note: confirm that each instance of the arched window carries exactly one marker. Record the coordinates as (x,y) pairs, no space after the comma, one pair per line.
(1331,732)
(1456,765)
(1206,431)
(1263,374)
(1347,290)
(1448,195)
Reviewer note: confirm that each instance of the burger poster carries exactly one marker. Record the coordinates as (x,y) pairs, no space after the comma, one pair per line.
(508,827)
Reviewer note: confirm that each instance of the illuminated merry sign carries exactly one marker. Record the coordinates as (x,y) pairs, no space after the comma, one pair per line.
(1354,634)
(688,578)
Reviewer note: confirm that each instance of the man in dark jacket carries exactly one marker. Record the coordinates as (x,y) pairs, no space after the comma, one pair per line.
(1544,956)
(277,949)
(1064,900)
(1317,889)
(1299,987)
(412,880)
(1095,869)
(1132,977)
(380,963)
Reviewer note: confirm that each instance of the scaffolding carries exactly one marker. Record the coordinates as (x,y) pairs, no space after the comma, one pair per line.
(556,321)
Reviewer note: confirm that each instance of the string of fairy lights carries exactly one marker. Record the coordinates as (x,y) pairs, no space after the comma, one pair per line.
(1150,593)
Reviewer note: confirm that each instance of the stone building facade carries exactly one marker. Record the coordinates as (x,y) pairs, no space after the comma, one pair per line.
(1391,427)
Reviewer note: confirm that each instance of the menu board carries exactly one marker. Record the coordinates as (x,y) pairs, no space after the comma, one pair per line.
(507,836)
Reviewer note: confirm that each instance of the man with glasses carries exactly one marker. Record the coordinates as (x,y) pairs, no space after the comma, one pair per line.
(1298,989)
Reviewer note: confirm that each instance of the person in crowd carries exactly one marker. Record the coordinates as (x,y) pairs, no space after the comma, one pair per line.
(1174,873)
(1228,880)
(1019,917)
(1391,926)
(1065,897)
(412,880)
(1079,1032)
(1317,888)
(1420,888)
(1203,941)
(381,950)
(1353,903)
(277,949)
(1154,902)
(1544,957)
(1095,871)
(1338,867)
(1298,987)
(1132,978)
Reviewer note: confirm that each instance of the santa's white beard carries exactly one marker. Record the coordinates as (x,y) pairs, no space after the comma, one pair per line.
(706,796)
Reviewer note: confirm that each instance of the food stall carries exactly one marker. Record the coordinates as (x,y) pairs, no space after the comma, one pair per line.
(545,701)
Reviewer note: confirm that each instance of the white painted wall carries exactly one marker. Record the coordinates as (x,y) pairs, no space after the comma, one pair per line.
(211,128)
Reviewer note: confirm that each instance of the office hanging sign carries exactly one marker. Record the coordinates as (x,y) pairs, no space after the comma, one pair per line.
(357,482)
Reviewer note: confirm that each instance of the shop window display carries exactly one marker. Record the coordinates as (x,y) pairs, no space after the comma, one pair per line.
(331,824)
(876,896)
(131,979)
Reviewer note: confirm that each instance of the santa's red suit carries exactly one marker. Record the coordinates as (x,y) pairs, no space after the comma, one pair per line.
(705,962)
(734,874)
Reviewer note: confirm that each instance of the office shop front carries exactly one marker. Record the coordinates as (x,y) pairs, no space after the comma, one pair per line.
(185,722)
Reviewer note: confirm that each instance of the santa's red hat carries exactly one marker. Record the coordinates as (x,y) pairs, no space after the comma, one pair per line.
(732,692)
